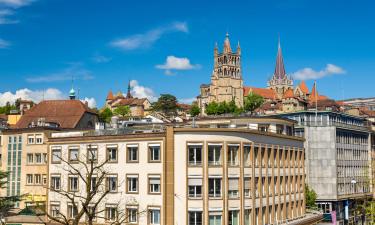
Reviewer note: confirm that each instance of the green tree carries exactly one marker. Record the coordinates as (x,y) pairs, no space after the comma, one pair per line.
(167,104)
(122,110)
(6,203)
(252,102)
(195,110)
(222,108)
(310,197)
(212,108)
(105,115)
(232,107)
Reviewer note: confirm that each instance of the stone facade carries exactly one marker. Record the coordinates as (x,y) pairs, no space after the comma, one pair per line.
(226,79)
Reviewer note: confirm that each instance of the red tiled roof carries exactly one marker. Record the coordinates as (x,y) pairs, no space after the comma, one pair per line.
(110,96)
(264,92)
(304,87)
(66,113)
(130,101)
(288,94)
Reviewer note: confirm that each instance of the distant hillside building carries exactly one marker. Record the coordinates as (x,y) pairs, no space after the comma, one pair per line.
(227,85)
(138,106)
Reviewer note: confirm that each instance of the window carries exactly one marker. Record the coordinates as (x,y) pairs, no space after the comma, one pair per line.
(39,139)
(29,178)
(132,152)
(30,139)
(154,153)
(73,154)
(246,155)
(38,179)
(92,153)
(233,155)
(132,215)
(56,155)
(214,218)
(55,182)
(92,212)
(112,153)
(38,158)
(45,158)
(111,213)
(195,155)
(55,210)
(93,183)
(30,158)
(154,183)
(154,216)
(44,179)
(195,218)
(233,218)
(195,187)
(72,211)
(279,128)
(247,187)
(248,216)
(233,188)
(132,182)
(112,183)
(214,187)
(214,155)
(73,183)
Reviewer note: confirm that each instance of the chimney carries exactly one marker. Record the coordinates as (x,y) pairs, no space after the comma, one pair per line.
(87,103)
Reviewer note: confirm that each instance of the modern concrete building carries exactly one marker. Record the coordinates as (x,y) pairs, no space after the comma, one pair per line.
(188,175)
(338,159)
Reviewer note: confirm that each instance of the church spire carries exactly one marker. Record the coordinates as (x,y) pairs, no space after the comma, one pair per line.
(128,94)
(238,48)
(279,69)
(227,48)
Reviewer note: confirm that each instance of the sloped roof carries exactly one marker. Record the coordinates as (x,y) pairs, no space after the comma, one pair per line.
(288,94)
(131,101)
(66,113)
(279,68)
(264,92)
(304,87)
(110,96)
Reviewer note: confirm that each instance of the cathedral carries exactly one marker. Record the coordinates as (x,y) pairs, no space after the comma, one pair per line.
(227,85)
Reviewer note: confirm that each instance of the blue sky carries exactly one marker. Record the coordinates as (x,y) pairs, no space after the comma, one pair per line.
(167,46)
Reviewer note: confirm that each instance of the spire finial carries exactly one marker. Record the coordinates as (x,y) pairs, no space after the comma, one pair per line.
(128,94)
(72,93)
(279,45)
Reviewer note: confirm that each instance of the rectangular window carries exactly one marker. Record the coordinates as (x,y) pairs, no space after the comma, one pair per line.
(247,217)
(247,187)
(92,153)
(214,219)
(92,212)
(132,153)
(38,179)
(154,216)
(30,158)
(56,155)
(112,153)
(73,154)
(111,213)
(55,210)
(44,179)
(154,183)
(132,183)
(93,183)
(73,183)
(195,218)
(195,155)
(38,158)
(233,218)
(214,187)
(233,155)
(195,187)
(55,182)
(233,188)
(30,139)
(112,183)
(132,215)
(246,155)
(214,155)
(29,178)
(72,211)
(154,153)
(45,160)
(39,139)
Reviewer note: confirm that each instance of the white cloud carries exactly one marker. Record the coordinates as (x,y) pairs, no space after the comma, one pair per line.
(146,39)
(4,43)
(33,95)
(15,3)
(310,74)
(175,63)
(4,16)
(142,91)
(100,58)
(75,71)
(187,100)
(90,101)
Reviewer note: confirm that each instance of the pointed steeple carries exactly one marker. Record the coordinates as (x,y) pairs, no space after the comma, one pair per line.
(72,92)
(128,94)
(314,96)
(227,48)
(110,95)
(279,69)
(238,48)
(216,49)
(304,87)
